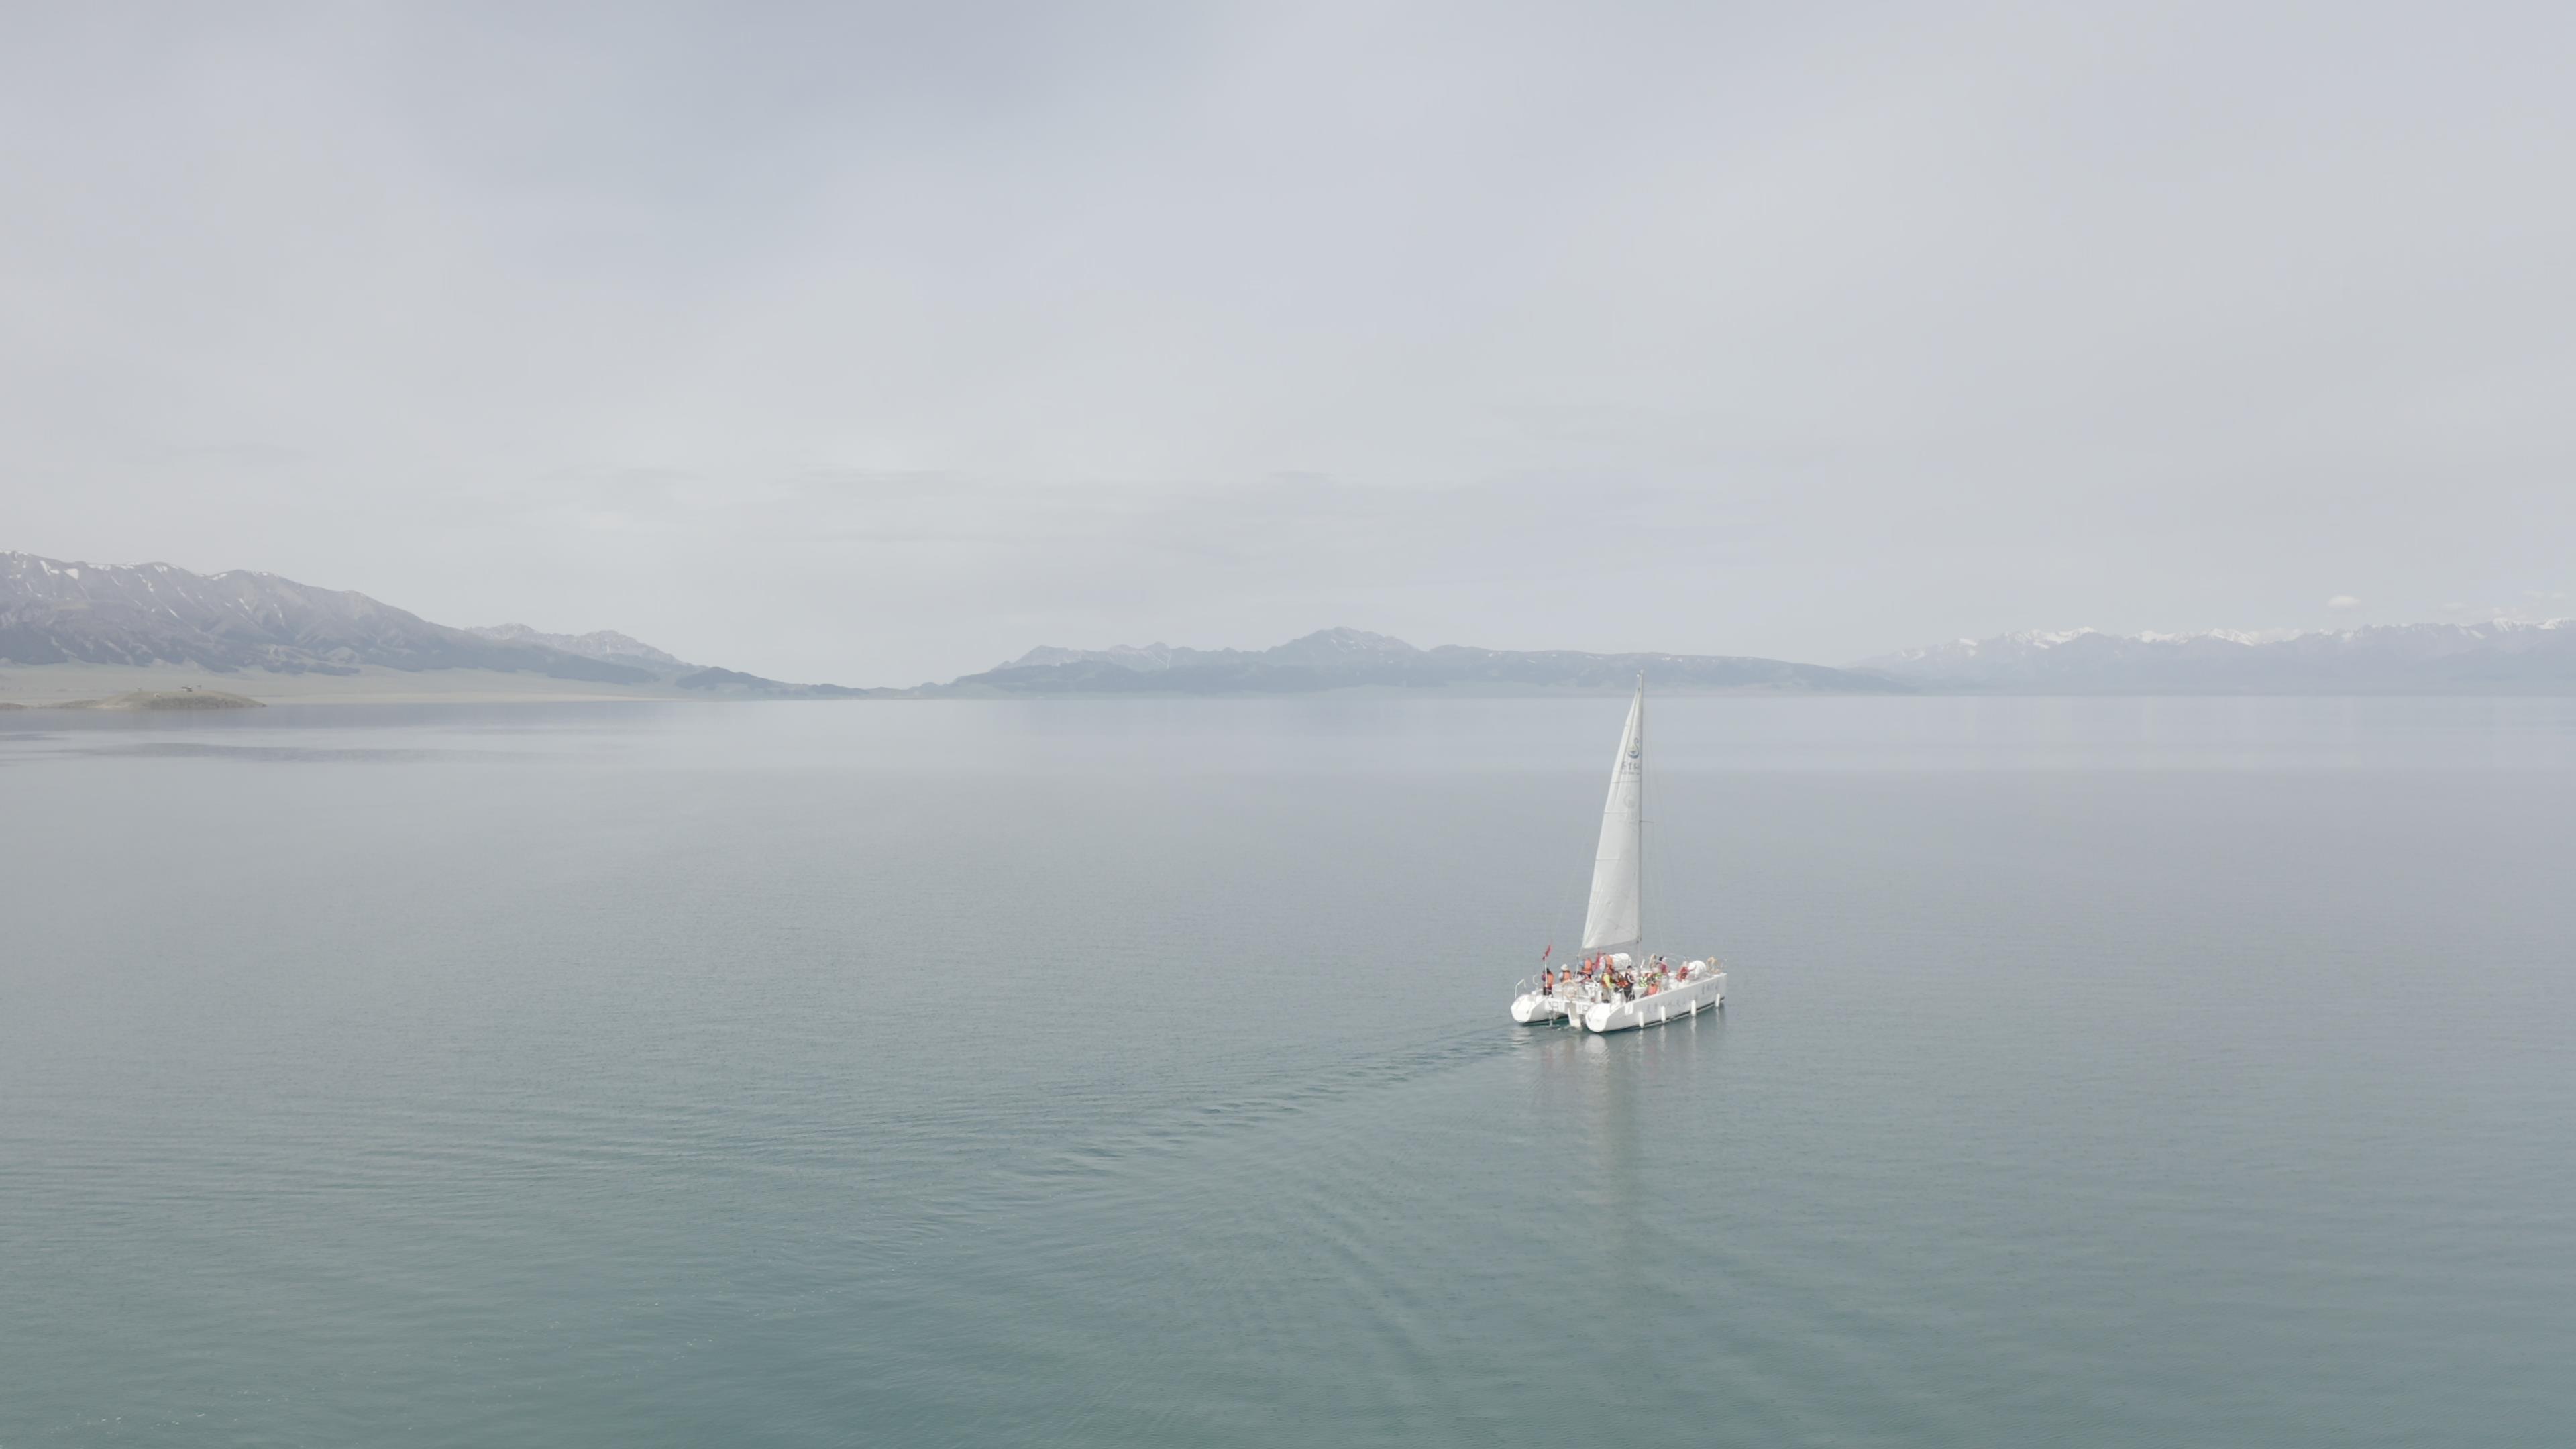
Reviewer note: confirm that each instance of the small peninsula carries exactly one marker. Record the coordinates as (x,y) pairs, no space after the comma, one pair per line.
(163,699)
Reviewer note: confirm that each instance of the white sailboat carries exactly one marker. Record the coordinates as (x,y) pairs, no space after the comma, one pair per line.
(1610,989)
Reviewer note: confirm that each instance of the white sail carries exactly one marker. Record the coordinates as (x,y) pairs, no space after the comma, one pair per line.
(1612,922)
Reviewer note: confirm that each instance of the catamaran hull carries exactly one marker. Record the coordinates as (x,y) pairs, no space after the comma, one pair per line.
(1530,1008)
(1673,1003)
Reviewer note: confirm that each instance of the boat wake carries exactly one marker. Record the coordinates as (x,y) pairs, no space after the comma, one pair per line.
(1178,1127)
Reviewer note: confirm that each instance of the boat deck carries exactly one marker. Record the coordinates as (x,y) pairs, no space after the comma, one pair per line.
(1593,1007)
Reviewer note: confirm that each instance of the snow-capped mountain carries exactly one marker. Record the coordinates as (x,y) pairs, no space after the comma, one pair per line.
(53,611)
(2499,655)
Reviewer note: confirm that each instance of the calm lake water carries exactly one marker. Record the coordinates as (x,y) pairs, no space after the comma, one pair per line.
(2148,1072)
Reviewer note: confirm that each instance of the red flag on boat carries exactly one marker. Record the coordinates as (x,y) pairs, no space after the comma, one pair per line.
(1551,946)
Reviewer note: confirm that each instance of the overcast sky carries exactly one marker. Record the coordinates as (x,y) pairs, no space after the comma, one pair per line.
(878,344)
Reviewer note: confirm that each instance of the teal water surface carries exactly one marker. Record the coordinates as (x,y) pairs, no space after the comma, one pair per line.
(2094,1072)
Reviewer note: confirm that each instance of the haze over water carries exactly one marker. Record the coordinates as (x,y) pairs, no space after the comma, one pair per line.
(2094,1071)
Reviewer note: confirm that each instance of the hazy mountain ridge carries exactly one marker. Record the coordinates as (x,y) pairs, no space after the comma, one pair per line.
(2501,654)
(53,612)
(734,684)
(1347,658)
(1144,659)
(57,612)
(602,644)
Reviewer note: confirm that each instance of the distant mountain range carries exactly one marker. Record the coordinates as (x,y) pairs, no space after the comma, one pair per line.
(1356,659)
(2499,656)
(606,645)
(54,612)
(57,612)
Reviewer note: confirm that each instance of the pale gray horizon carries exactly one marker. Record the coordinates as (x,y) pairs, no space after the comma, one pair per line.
(878,344)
